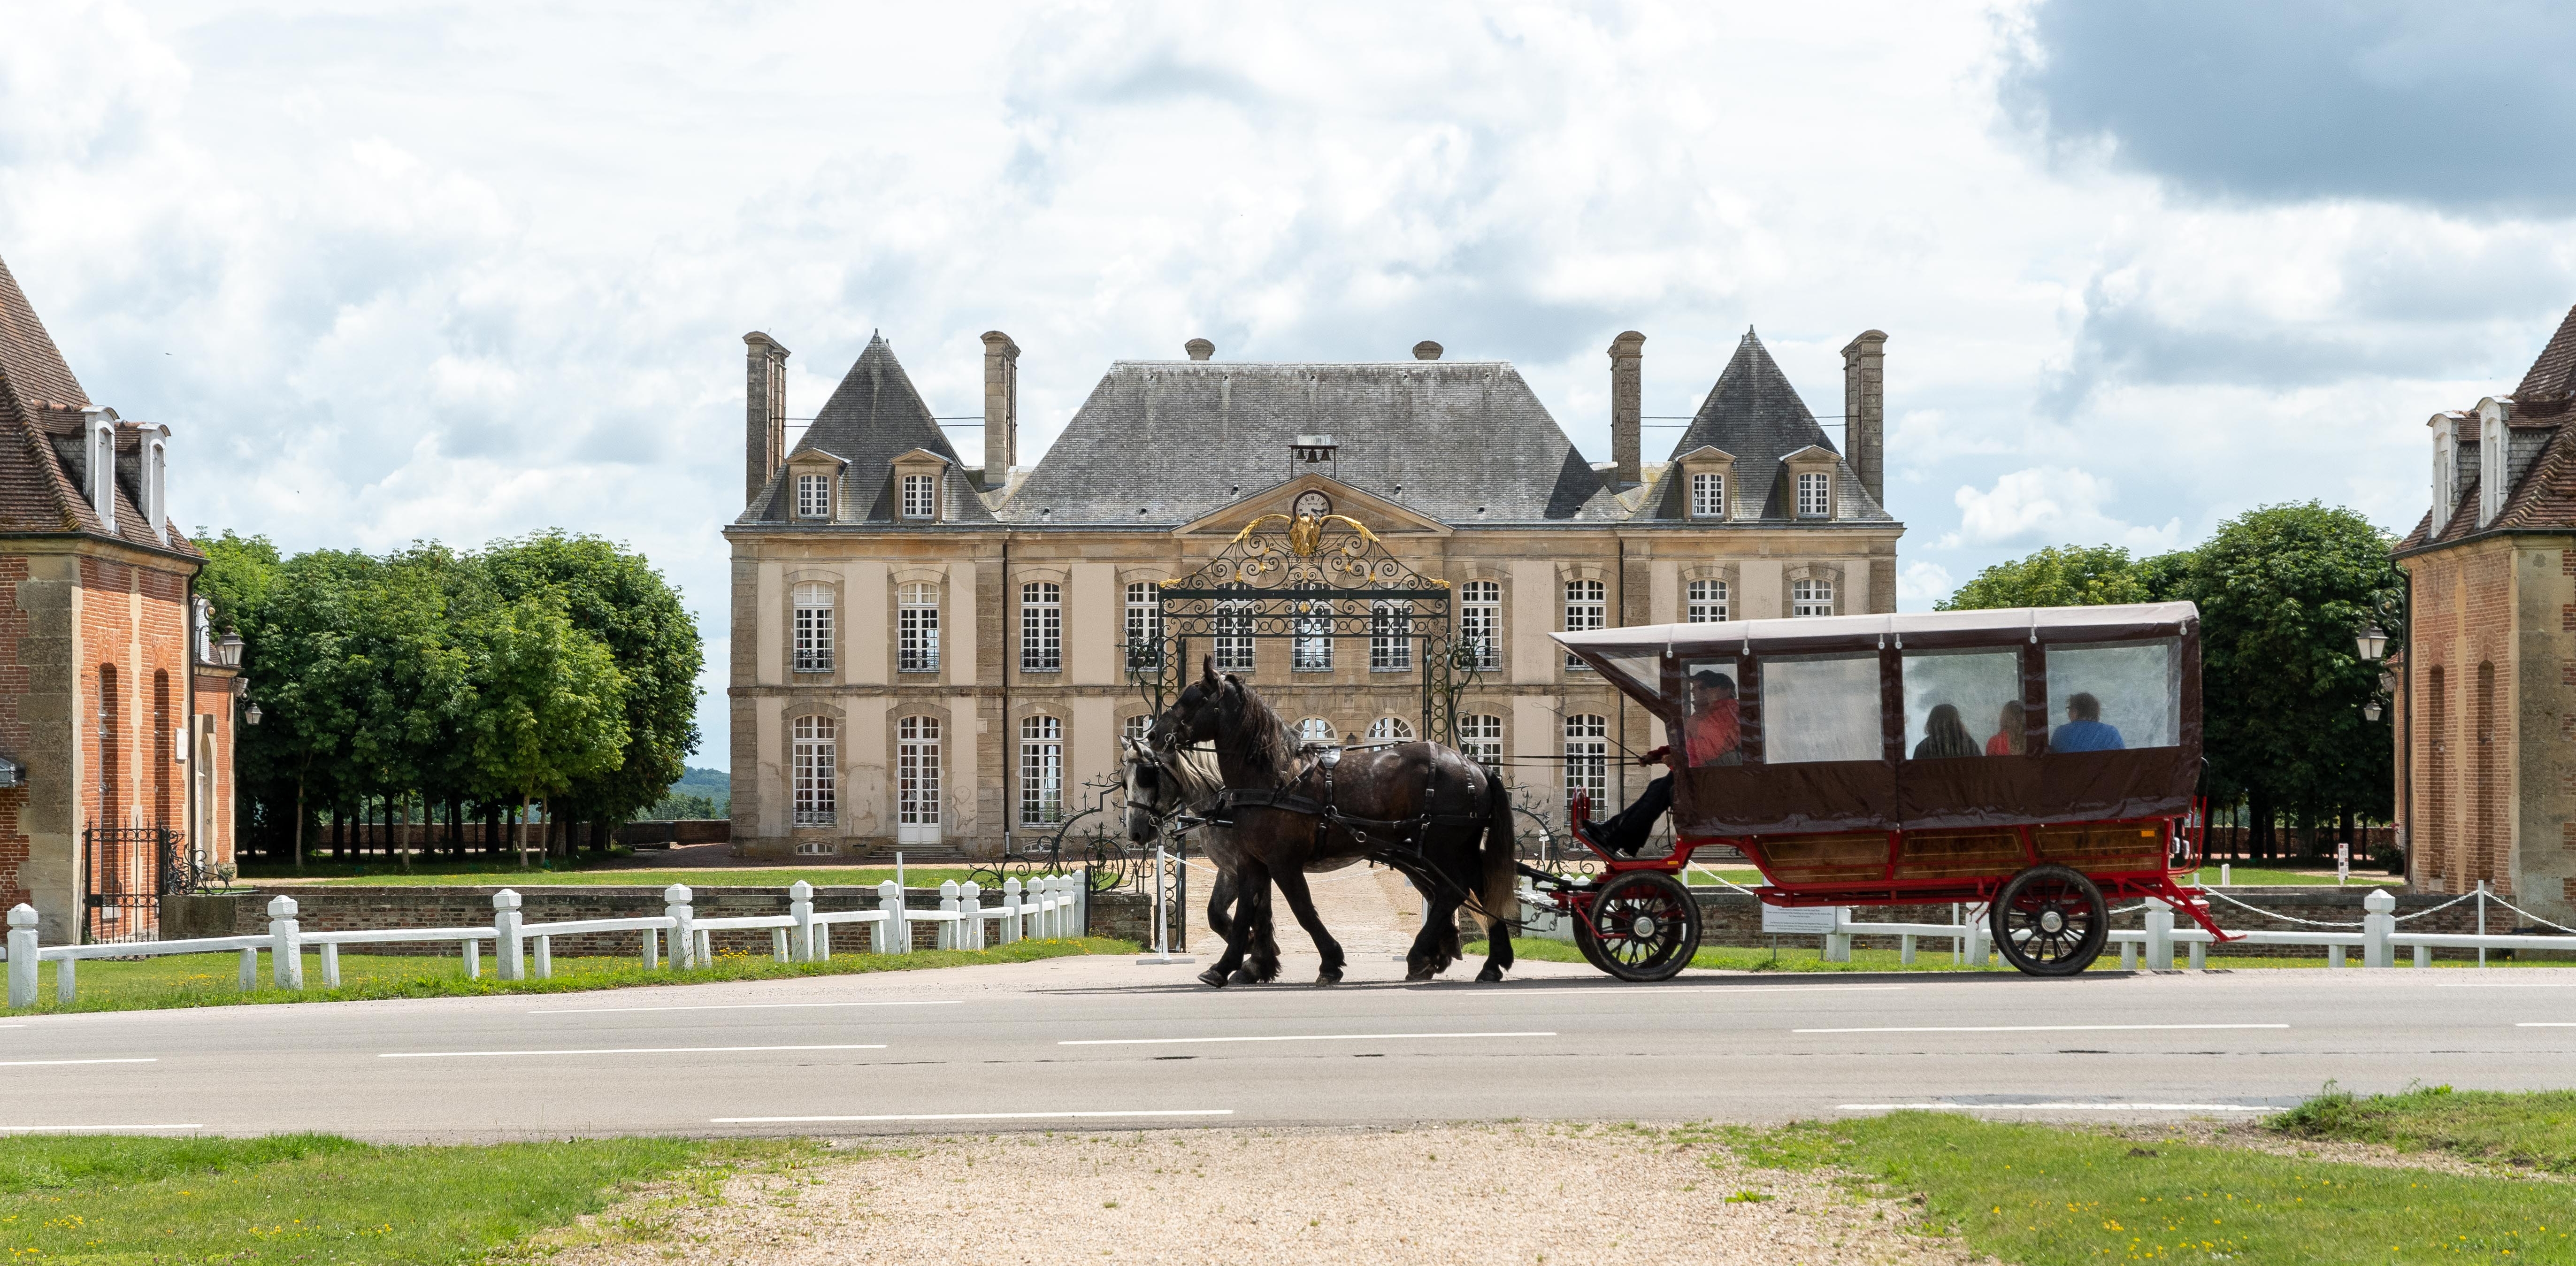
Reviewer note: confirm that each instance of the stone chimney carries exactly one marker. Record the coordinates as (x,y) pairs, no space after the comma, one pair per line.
(1199,349)
(1426,350)
(1865,411)
(764,411)
(1627,406)
(1001,408)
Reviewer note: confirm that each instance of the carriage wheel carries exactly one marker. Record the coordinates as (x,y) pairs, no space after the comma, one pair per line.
(1590,945)
(2050,921)
(1645,924)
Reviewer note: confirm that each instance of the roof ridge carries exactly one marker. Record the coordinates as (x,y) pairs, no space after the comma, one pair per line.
(32,369)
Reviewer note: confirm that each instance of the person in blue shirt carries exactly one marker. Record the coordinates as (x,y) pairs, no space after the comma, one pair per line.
(2084,730)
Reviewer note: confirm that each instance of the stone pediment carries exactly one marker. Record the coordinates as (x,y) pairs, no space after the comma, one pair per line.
(1382,515)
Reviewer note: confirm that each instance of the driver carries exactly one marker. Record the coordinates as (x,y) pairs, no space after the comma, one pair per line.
(1712,736)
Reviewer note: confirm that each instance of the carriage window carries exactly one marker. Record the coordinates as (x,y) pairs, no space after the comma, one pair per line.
(1962,703)
(1712,729)
(2110,696)
(1820,707)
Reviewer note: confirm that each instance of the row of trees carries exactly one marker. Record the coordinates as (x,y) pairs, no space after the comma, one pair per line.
(553,667)
(2282,591)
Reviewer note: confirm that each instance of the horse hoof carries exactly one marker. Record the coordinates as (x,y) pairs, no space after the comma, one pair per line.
(1328,978)
(1489,976)
(1418,975)
(1212,978)
(1243,976)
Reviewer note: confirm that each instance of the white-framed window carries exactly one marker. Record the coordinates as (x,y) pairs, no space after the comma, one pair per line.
(1137,726)
(1390,729)
(1041,771)
(1586,606)
(816,757)
(1708,496)
(1234,636)
(1311,650)
(1480,621)
(1144,624)
(1815,494)
(813,496)
(920,496)
(813,627)
(1587,758)
(917,627)
(916,763)
(1480,736)
(1708,603)
(1316,730)
(1041,627)
(1811,597)
(1391,637)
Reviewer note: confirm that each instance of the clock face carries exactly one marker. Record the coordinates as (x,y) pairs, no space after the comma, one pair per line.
(1314,503)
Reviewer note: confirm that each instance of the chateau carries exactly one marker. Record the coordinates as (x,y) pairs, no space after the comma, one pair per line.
(930,652)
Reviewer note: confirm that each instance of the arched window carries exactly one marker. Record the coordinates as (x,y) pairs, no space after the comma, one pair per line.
(916,764)
(1586,606)
(1708,603)
(1315,730)
(813,627)
(164,756)
(1041,770)
(1480,736)
(1587,758)
(1041,627)
(1480,621)
(1386,729)
(917,627)
(817,764)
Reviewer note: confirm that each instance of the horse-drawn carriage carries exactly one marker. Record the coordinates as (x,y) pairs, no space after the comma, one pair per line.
(2038,761)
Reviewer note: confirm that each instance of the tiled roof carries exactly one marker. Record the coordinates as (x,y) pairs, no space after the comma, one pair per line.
(1755,414)
(2542,496)
(873,417)
(31,368)
(2552,371)
(43,458)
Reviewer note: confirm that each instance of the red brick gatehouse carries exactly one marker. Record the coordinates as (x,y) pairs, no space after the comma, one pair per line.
(116,741)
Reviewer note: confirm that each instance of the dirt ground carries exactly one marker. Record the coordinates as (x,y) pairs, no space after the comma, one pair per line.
(1506,1193)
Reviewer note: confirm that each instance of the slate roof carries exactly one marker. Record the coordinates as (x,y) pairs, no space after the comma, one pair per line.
(1756,415)
(43,459)
(1456,441)
(873,417)
(2542,463)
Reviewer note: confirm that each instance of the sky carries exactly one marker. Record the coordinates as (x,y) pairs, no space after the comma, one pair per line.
(394,270)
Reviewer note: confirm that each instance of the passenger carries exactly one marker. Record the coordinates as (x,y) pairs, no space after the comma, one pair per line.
(2084,730)
(2008,730)
(1944,735)
(1713,735)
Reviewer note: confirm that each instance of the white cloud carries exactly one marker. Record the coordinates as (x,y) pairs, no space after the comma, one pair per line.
(2051,505)
(1923,582)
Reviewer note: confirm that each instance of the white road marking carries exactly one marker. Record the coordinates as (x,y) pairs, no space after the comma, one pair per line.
(756,1006)
(2547,1024)
(981,1116)
(42,1063)
(2047,1028)
(634,1050)
(1730,992)
(1300,1037)
(2052,1107)
(91,1129)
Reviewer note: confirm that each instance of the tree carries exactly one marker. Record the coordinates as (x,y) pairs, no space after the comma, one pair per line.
(2057,576)
(549,706)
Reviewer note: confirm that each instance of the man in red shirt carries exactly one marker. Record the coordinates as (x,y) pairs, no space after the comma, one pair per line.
(1713,734)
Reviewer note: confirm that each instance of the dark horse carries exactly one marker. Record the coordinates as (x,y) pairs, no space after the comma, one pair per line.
(1417,807)
(1165,783)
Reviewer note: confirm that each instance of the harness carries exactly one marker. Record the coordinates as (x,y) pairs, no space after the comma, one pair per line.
(1394,842)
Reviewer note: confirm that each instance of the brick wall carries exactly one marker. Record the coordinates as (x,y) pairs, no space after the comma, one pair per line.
(15,682)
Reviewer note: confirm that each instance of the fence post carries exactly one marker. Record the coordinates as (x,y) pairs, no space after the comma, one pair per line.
(1010,910)
(970,908)
(800,907)
(249,970)
(2160,926)
(684,932)
(1905,950)
(66,986)
(947,905)
(2199,956)
(2482,920)
(473,958)
(1838,942)
(286,944)
(509,945)
(2378,921)
(889,933)
(652,949)
(330,964)
(545,958)
(22,955)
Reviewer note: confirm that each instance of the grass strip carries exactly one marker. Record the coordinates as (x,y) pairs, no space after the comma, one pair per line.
(211,980)
(320,1198)
(2044,1195)
(2533,1131)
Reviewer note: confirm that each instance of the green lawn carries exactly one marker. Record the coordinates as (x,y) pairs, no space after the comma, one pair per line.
(2043,1196)
(317,1198)
(202,980)
(2532,1131)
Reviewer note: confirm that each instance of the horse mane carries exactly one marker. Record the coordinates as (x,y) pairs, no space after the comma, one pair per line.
(1258,737)
(1195,774)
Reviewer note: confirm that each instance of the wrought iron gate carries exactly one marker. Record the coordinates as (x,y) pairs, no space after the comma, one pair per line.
(125,873)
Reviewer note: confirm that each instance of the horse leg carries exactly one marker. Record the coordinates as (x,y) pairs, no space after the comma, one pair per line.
(1220,897)
(1238,938)
(1301,902)
(1436,946)
(1498,947)
(1261,962)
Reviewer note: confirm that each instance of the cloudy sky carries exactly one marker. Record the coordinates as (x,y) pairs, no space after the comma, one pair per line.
(396,270)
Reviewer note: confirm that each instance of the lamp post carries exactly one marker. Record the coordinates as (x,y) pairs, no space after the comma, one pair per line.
(2395,610)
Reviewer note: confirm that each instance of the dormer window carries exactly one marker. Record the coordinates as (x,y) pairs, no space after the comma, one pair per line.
(1708,496)
(102,466)
(813,496)
(1815,495)
(1705,473)
(916,485)
(2495,459)
(920,496)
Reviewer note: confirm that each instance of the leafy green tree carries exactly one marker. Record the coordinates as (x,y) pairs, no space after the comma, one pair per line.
(549,706)
(239,573)
(2057,576)
(312,679)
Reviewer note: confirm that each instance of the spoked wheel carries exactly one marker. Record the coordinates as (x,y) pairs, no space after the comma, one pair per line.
(2050,921)
(1589,943)
(1644,925)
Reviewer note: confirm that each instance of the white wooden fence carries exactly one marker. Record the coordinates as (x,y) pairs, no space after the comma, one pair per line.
(1047,908)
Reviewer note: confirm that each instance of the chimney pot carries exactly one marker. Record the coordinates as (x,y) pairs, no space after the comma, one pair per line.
(1426,350)
(1199,349)
(1865,411)
(764,411)
(1627,407)
(1001,409)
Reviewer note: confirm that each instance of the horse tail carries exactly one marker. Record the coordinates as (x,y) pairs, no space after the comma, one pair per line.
(1502,872)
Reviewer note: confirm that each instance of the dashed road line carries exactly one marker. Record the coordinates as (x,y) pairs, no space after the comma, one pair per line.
(1292,1037)
(755,1006)
(46,1063)
(633,1050)
(979,1116)
(2053,1107)
(2047,1028)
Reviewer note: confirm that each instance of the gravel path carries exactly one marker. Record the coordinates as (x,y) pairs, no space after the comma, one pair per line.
(1466,1194)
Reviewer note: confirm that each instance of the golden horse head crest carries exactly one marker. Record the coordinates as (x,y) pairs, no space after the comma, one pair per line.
(1306,531)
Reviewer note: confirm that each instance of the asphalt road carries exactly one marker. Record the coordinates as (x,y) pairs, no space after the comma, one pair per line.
(1026,1046)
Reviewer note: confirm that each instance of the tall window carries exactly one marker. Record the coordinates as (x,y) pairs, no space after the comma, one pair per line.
(1234,636)
(817,769)
(1041,627)
(813,628)
(1586,603)
(1587,758)
(1815,497)
(1707,602)
(1390,729)
(920,497)
(917,627)
(1041,771)
(1144,625)
(1811,597)
(916,763)
(1390,637)
(1708,496)
(813,496)
(1311,650)
(1480,736)
(1315,730)
(1480,621)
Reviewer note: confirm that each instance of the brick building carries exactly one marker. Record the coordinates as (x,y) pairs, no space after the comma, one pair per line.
(115,727)
(2487,717)
(929,653)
